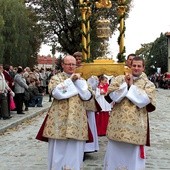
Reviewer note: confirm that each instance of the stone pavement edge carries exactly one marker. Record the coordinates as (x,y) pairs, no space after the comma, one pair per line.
(18,119)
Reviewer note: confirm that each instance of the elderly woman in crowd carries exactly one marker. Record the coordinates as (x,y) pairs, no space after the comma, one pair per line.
(20,86)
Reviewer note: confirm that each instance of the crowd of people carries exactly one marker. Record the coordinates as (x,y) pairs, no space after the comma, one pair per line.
(83,109)
(21,88)
(161,80)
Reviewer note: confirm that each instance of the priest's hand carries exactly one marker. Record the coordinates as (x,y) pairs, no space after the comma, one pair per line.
(75,76)
(129,79)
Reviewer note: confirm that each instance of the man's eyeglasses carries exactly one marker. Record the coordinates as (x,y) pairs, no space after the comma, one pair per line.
(69,64)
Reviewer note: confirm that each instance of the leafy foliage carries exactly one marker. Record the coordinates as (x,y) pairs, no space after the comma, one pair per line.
(61,23)
(20,35)
(159,53)
(155,55)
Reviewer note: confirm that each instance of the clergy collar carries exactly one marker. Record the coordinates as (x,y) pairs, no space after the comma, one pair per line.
(68,75)
(136,77)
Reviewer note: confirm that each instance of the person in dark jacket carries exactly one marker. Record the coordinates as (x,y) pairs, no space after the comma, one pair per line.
(36,97)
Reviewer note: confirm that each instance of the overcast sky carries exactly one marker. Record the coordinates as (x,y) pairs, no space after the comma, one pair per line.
(147,19)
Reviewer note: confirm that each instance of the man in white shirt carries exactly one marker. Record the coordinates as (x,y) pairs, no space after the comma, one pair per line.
(128,127)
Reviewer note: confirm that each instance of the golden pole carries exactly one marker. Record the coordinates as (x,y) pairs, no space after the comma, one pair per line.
(85,14)
(121,12)
(88,31)
(84,41)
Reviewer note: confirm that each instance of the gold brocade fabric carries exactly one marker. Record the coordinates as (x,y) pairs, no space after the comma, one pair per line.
(66,118)
(90,105)
(127,122)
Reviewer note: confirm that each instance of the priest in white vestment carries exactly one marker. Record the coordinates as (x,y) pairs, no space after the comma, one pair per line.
(65,126)
(128,127)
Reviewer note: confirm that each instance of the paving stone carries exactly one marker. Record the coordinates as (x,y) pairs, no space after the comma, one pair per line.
(21,151)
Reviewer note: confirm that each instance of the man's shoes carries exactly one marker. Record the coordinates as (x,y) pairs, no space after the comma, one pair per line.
(7,117)
(39,106)
(21,113)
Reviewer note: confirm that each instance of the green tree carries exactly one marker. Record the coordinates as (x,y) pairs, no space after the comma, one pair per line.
(144,52)
(1,38)
(155,55)
(20,36)
(61,22)
(159,54)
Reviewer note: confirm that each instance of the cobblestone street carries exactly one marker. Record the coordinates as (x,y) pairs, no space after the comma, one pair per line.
(21,151)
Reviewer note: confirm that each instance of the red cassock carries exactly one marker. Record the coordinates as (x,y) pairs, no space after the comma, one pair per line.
(102,122)
(9,79)
(40,132)
(102,117)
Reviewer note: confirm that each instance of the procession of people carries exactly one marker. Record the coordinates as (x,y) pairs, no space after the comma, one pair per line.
(73,122)
(83,110)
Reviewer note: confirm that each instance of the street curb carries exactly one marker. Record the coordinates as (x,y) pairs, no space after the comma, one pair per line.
(21,120)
